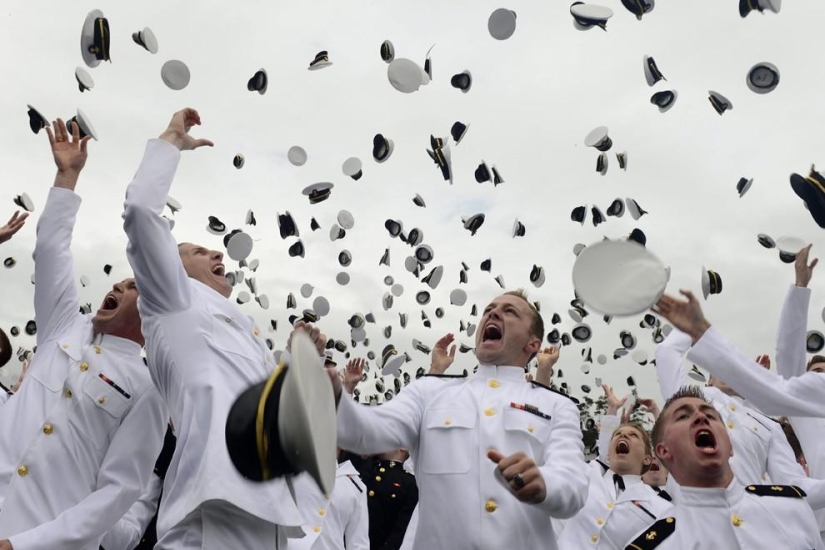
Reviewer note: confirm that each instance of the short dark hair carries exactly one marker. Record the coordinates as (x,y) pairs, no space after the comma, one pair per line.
(681,393)
(5,348)
(537,326)
(814,360)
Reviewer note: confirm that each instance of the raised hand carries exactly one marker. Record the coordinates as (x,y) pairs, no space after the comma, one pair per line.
(353,373)
(69,152)
(442,357)
(804,270)
(650,406)
(318,338)
(546,359)
(686,315)
(765,361)
(177,133)
(14,225)
(613,402)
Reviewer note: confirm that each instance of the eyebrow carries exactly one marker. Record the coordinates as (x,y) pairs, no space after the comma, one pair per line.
(704,407)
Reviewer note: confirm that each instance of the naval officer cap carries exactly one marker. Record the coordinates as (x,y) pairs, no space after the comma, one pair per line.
(763,78)
(616,208)
(25,202)
(743,186)
(579,214)
(5,349)
(296,155)
(418,201)
(664,100)
(297,249)
(95,39)
(352,168)
(238,245)
(31,328)
(719,102)
(599,139)
(766,241)
(462,81)
(587,16)
(711,282)
(318,192)
(634,209)
(84,125)
(406,76)
(502,24)
(146,40)
(382,148)
(639,7)
(433,278)
(84,79)
(789,247)
(814,341)
(537,276)
(36,120)
(321,60)
(175,74)
(259,82)
(473,223)
(747,6)
(811,190)
(238,161)
(286,424)
(581,333)
(391,360)
(216,226)
(458,131)
(387,51)
(618,278)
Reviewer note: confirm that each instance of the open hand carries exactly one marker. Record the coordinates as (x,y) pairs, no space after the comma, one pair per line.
(69,152)
(613,402)
(353,373)
(686,315)
(177,133)
(443,355)
(14,225)
(650,406)
(804,270)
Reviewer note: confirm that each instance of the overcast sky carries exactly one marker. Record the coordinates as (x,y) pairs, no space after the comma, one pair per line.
(534,98)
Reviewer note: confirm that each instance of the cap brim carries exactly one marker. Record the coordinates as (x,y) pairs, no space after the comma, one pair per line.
(405,75)
(87,37)
(175,74)
(618,278)
(813,195)
(393,365)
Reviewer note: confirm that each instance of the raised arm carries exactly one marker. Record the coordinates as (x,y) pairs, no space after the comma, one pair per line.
(152,251)
(793,321)
(767,391)
(56,300)
(123,476)
(670,370)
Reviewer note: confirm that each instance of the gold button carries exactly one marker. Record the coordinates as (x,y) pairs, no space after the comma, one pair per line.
(392,496)
(493,383)
(256,332)
(65,346)
(84,367)
(447,421)
(322,512)
(22,471)
(316,529)
(730,425)
(600,521)
(377,478)
(68,392)
(732,407)
(97,350)
(736,520)
(392,464)
(610,505)
(530,428)
(669,520)
(490,506)
(489,412)
(371,493)
(382,470)
(101,400)
(47,429)
(594,538)
(756,429)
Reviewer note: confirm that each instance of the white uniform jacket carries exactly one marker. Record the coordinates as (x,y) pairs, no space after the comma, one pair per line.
(449,424)
(790,362)
(203,352)
(129,530)
(759,444)
(80,438)
(734,518)
(336,523)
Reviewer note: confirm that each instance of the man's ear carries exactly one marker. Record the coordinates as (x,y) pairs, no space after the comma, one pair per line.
(533,346)
(663,454)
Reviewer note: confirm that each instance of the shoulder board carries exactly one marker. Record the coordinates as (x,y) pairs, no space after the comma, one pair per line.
(654,535)
(548,388)
(776,491)
(446,375)
(351,478)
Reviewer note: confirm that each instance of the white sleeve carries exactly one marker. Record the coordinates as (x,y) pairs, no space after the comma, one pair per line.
(783,469)
(767,391)
(153,253)
(357,529)
(792,332)
(670,370)
(563,467)
(122,477)
(128,531)
(56,301)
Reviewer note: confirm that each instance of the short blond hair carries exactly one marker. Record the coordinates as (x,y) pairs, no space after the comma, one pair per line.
(537,326)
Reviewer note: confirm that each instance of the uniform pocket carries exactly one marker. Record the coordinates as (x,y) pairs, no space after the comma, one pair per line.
(447,441)
(99,412)
(527,428)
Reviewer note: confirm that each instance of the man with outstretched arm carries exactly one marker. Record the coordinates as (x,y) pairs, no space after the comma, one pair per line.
(203,352)
(80,437)
(496,457)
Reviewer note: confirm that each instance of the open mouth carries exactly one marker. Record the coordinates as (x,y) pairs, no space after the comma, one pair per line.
(622,447)
(219,270)
(654,467)
(109,303)
(705,441)
(492,333)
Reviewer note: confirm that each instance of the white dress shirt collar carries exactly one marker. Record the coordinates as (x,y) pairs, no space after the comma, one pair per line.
(501,372)
(117,344)
(701,497)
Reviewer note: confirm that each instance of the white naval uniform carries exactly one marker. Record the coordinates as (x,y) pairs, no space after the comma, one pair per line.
(611,517)
(338,522)
(733,519)
(129,530)
(760,446)
(790,362)
(449,424)
(203,352)
(75,450)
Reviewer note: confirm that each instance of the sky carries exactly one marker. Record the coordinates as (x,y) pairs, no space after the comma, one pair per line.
(533,100)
